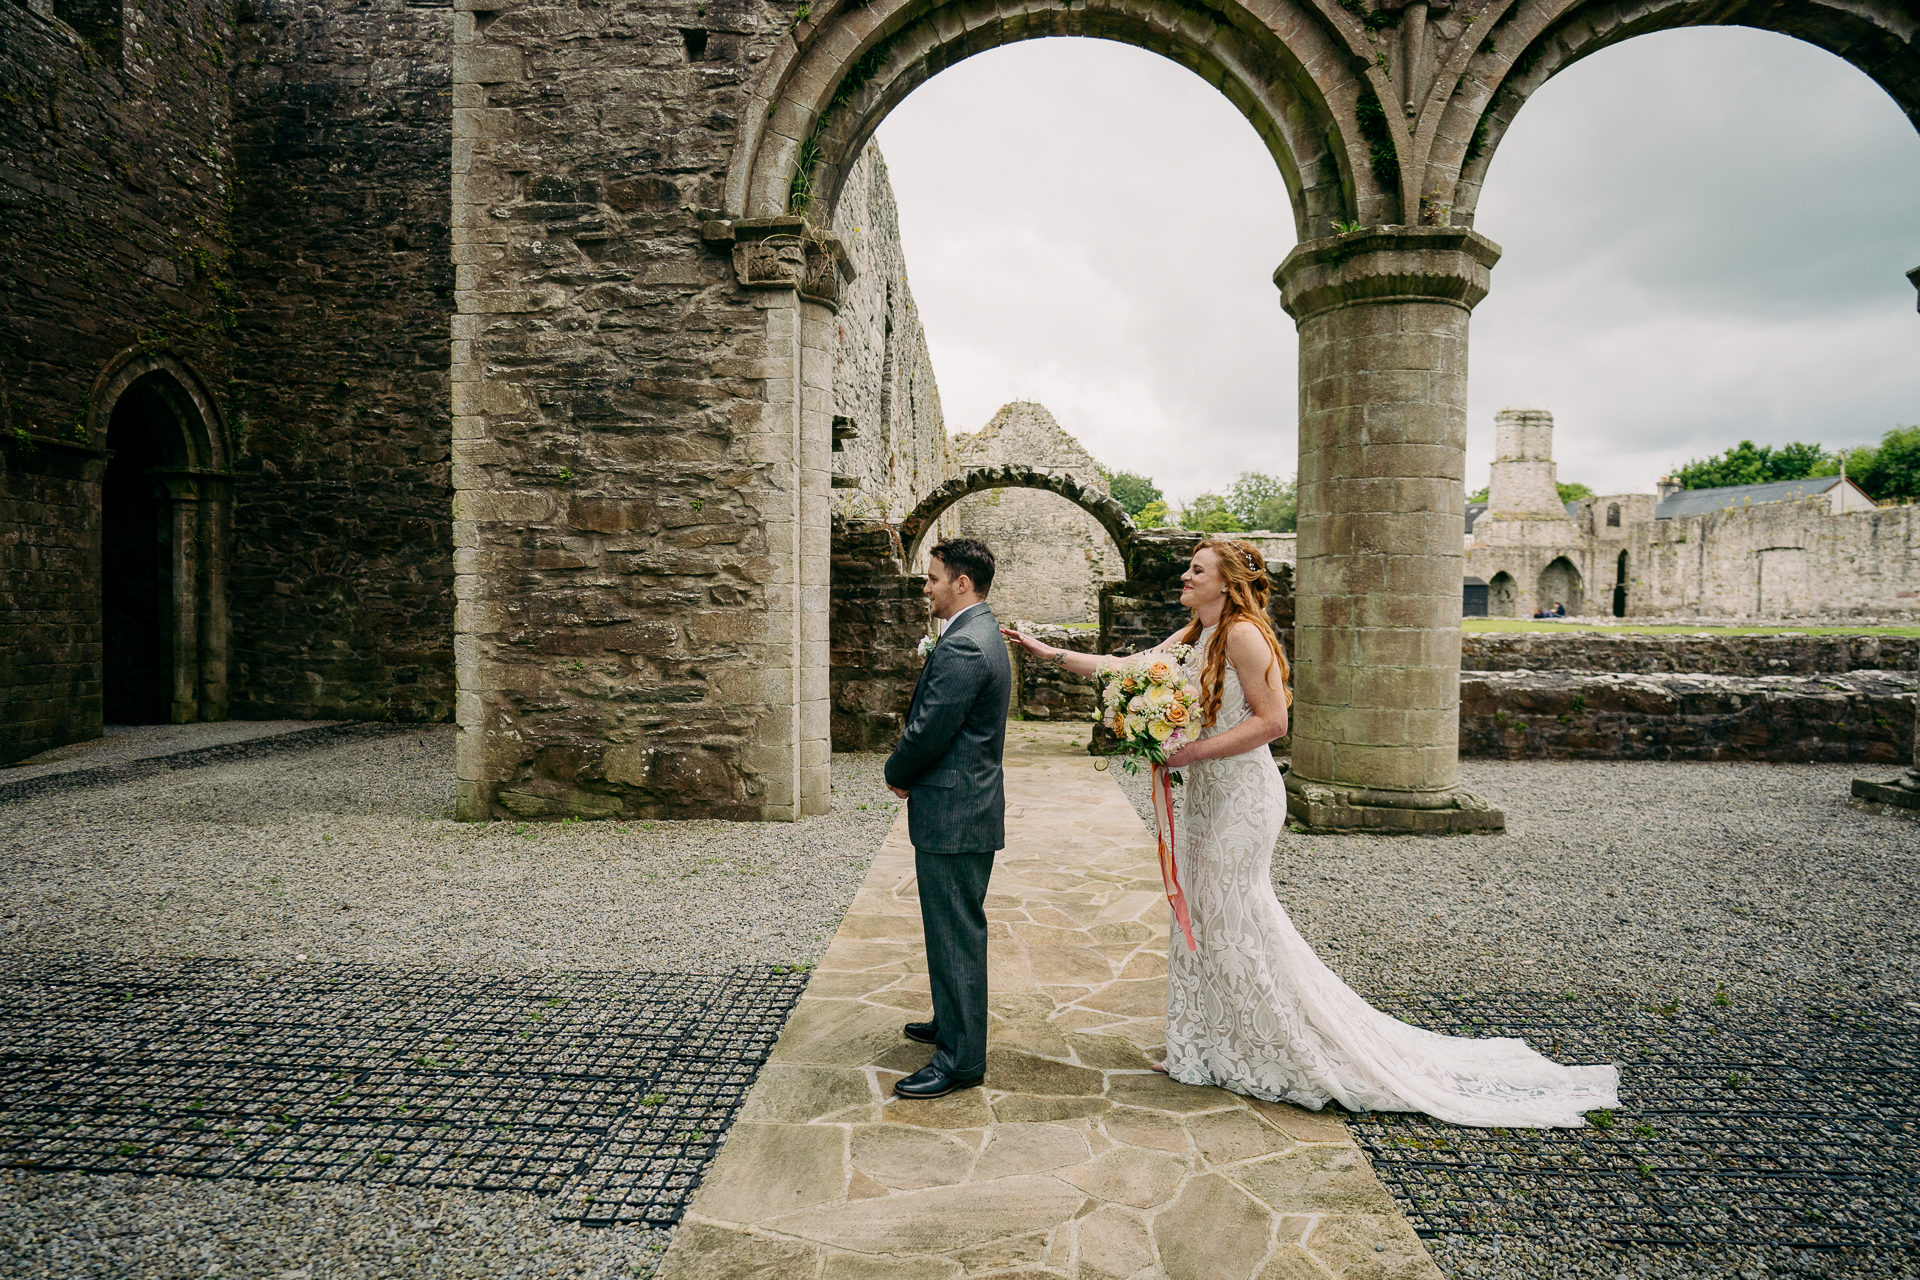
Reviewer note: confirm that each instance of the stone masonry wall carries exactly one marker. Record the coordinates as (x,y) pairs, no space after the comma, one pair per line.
(878,620)
(1704,654)
(1862,717)
(114,233)
(622,609)
(342,587)
(1780,559)
(1050,556)
(883,381)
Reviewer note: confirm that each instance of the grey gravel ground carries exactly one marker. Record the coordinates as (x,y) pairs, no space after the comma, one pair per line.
(1627,883)
(70,1225)
(125,743)
(349,854)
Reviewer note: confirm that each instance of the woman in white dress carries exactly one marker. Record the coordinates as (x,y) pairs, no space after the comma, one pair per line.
(1253,1009)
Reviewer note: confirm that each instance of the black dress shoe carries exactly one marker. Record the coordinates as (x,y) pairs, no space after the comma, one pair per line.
(921,1031)
(931,1082)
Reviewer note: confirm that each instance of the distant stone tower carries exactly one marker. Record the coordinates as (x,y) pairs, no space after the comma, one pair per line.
(1523,505)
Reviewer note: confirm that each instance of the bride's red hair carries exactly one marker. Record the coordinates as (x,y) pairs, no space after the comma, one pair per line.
(1244,570)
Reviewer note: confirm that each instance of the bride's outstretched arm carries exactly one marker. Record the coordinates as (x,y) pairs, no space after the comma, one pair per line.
(1266,701)
(1081,664)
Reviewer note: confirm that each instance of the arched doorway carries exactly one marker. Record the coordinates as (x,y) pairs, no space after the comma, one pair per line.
(1560,585)
(1502,595)
(165,505)
(137,569)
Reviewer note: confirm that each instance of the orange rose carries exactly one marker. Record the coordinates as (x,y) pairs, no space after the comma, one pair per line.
(1175,715)
(1160,673)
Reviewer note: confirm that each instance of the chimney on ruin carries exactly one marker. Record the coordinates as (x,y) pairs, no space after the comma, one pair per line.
(1523,485)
(1666,487)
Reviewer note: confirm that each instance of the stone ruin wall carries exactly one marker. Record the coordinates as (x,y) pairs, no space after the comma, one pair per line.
(342,589)
(1726,655)
(1051,557)
(257,192)
(113,233)
(1780,559)
(884,387)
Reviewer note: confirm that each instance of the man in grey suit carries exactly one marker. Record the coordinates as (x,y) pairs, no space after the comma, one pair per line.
(947,769)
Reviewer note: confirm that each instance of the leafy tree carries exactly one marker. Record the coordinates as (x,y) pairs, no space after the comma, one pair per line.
(1155,515)
(1261,501)
(1748,463)
(1889,471)
(1132,490)
(1572,492)
(1209,513)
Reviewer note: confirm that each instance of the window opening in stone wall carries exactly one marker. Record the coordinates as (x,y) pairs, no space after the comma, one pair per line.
(696,41)
(136,564)
(1613,515)
(1560,585)
(95,21)
(1620,586)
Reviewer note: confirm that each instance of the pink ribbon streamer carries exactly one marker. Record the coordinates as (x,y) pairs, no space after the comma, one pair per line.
(1163,833)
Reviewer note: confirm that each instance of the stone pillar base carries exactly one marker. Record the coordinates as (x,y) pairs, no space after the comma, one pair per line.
(1902,792)
(1328,809)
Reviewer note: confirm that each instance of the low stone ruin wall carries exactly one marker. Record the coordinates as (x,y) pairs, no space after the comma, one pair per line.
(1049,692)
(876,620)
(1723,655)
(1856,717)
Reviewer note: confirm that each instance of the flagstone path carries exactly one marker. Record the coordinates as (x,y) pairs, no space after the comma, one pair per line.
(1076,1159)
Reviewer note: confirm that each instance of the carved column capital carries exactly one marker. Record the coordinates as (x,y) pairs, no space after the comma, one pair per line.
(785,253)
(1387,264)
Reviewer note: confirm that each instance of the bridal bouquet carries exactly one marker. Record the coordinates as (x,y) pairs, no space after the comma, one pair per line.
(1149,704)
(1153,709)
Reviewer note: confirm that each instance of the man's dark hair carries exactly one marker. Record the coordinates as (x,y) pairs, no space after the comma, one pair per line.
(969,557)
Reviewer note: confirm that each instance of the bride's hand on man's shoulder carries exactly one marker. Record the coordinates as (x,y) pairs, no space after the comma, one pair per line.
(1025,641)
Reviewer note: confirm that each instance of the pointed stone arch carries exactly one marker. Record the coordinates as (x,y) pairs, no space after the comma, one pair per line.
(1112,516)
(165,521)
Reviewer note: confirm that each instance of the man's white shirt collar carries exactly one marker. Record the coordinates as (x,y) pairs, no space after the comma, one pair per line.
(978,604)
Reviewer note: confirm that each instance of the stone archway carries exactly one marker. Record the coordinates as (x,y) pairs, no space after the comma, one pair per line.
(1112,516)
(1381,117)
(165,517)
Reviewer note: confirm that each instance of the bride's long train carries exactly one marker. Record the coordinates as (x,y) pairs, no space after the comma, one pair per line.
(1254,1010)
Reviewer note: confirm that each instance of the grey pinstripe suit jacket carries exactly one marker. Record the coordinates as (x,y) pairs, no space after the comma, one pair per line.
(949,755)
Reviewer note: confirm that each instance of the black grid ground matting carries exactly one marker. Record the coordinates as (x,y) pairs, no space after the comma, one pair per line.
(608,1092)
(1797,1128)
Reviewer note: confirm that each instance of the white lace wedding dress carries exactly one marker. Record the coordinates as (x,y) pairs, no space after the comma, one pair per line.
(1255,1011)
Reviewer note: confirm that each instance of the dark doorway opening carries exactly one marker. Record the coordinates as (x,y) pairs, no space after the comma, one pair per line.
(1620,588)
(136,565)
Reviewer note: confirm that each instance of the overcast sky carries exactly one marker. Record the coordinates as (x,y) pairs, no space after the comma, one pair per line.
(1706,236)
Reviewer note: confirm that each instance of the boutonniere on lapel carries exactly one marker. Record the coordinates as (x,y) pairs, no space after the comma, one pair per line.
(925,646)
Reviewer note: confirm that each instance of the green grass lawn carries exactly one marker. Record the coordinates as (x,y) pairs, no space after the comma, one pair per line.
(1651,628)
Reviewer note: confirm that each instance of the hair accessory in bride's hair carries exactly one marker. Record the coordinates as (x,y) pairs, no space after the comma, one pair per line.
(1251,562)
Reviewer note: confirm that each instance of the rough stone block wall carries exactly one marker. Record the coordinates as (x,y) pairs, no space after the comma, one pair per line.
(342,586)
(1861,717)
(623,464)
(1780,559)
(50,651)
(1049,692)
(114,234)
(878,620)
(1707,654)
(883,381)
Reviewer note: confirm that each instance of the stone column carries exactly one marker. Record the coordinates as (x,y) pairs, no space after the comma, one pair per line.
(1382,317)
(798,270)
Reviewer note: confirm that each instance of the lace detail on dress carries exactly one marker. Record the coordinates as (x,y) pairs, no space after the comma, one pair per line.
(1255,1011)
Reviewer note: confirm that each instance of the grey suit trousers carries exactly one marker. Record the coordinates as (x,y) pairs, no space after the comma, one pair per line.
(953,912)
